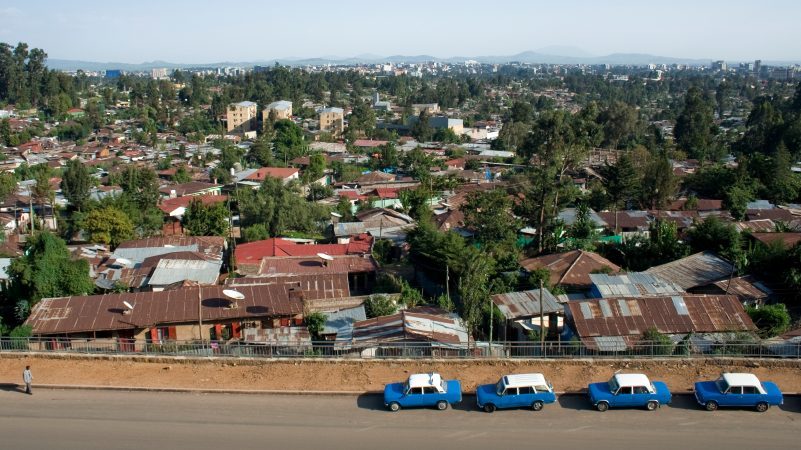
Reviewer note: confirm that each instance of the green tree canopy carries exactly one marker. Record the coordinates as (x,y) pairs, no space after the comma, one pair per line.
(75,184)
(206,220)
(108,225)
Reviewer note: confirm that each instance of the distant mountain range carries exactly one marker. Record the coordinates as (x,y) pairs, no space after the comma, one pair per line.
(547,55)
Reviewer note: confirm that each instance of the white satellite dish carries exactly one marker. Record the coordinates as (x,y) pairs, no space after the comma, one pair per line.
(325,257)
(236,295)
(129,306)
(446,204)
(337,215)
(124,261)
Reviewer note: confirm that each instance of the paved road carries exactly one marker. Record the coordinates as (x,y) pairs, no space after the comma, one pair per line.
(137,420)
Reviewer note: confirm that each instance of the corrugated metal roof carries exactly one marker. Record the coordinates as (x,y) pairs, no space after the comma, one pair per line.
(105,312)
(694,270)
(633,284)
(571,268)
(341,322)
(170,271)
(314,286)
(283,266)
(408,326)
(606,318)
(525,304)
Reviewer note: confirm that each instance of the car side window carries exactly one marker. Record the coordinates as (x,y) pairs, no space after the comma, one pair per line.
(750,390)
(640,390)
(510,391)
(429,390)
(416,391)
(624,390)
(541,389)
(735,390)
(525,390)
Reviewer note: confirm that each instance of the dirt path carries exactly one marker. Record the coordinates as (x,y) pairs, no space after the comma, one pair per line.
(347,375)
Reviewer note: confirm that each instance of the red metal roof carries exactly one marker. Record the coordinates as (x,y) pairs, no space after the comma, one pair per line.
(105,312)
(253,252)
(369,143)
(571,268)
(281,266)
(171,204)
(281,173)
(314,286)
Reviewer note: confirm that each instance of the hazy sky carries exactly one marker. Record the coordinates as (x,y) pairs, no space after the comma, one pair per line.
(199,31)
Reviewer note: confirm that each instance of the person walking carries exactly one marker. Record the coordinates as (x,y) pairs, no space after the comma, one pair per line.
(27,377)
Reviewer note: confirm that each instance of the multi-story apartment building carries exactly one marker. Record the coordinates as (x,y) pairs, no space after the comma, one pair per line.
(282,109)
(332,120)
(241,117)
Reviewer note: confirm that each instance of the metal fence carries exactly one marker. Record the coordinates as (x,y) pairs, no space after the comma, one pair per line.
(384,350)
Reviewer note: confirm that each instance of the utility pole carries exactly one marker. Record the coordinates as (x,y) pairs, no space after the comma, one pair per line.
(492,313)
(448,281)
(542,321)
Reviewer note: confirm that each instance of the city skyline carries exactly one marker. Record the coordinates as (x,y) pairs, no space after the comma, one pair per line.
(185,32)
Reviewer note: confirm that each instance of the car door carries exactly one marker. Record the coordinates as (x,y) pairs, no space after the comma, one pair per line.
(414,397)
(431,395)
(751,396)
(641,395)
(624,397)
(507,397)
(525,396)
(734,396)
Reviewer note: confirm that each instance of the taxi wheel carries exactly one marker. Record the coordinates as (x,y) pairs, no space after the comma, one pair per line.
(602,406)
(711,405)
(652,405)
(394,407)
(762,407)
(537,406)
(442,405)
(489,407)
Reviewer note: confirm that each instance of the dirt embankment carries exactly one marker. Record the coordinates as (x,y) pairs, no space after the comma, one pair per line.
(350,375)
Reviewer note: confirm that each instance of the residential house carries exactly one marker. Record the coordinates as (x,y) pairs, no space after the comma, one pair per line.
(434,332)
(174,209)
(189,313)
(748,289)
(616,324)
(572,269)
(285,174)
(631,284)
(193,188)
(693,271)
(250,254)
(361,269)
(524,310)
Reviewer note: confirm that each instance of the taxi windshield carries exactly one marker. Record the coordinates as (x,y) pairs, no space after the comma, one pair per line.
(613,387)
(722,385)
(499,387)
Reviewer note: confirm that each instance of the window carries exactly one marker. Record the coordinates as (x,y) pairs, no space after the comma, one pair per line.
(416,391)
(429,390)
(542,388)
(624,391)
(750,390)
(525,390)
(640,390)
(735,390)
(510,391)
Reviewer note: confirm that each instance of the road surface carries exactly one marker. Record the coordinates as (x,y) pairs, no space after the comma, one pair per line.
(86,420)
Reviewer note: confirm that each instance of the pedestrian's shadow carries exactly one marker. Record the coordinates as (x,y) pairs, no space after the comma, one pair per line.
(11,387)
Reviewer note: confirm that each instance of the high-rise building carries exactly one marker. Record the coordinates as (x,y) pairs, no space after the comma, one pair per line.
(158,73)
(757,67)
(719,66)
(282,109)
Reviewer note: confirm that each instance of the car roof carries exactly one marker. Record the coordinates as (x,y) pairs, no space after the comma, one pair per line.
(741,379)
(525,379)
(424,379)
(631,379)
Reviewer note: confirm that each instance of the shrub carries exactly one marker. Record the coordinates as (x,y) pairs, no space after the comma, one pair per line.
(657,343)
(379,305)
(772,320)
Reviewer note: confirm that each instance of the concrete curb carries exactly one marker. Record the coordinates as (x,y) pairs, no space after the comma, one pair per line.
(21,388)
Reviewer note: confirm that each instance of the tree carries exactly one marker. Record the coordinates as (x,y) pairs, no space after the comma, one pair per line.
(583,232)
(75,184)
(140,185)
(288,142)
(659,184)
(362,119)
(378,305)
(108,225)
(622,184)
(714,235)
(261,153)
(181,175)
(695,126)
(206,220)
(421,129)
(772,320)
(47,270)
(315,322)
(620,123)
(489,215)
(316,168)
(657,343)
